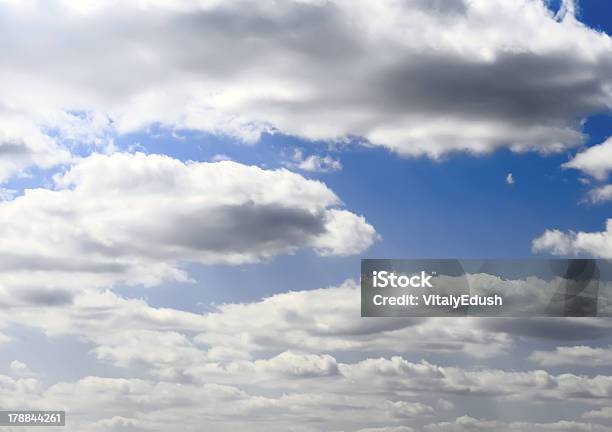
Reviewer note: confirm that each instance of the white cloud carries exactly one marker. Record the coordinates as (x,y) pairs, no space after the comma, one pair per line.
(323,320)
(601,194)
(147,347)
(398,374)
(90,314)
(314,163)
(274,359)
(410,76)
(574,355)
(510,179)
(300,323)
(595,161)
(597,244)
(604,413)
(373,394)
(101,404)
(290,364)
(303,326)
(347,234)
(135,219)
(556,242)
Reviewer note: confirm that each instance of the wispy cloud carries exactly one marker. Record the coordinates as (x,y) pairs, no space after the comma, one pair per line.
(314,163)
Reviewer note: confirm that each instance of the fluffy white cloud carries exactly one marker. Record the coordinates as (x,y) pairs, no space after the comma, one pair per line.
(373,393)
(292,357)
(595,161)
(414,76)
(100,404)
(597,244)
(174,343)
(324,320)
(574,355)
(397,374)
(135,219)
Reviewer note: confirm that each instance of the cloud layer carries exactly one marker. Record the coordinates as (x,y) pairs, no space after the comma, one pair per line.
(418,79)
(169,367)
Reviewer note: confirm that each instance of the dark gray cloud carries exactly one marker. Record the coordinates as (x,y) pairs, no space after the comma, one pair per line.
(14,261)
(45,297)
(522,88)
(243,227)
(12,148)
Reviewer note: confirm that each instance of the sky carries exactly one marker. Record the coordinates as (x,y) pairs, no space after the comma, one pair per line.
(187,189)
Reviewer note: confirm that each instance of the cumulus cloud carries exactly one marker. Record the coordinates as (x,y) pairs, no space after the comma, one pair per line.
(135,218)
(573,355)
(595,161)
(399,374)
(597,244)
(290,364)
(302,326)
(307,358)
(103,404)
(510,179)
(418,77)
(395,392)
(412,76)
(324,320)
